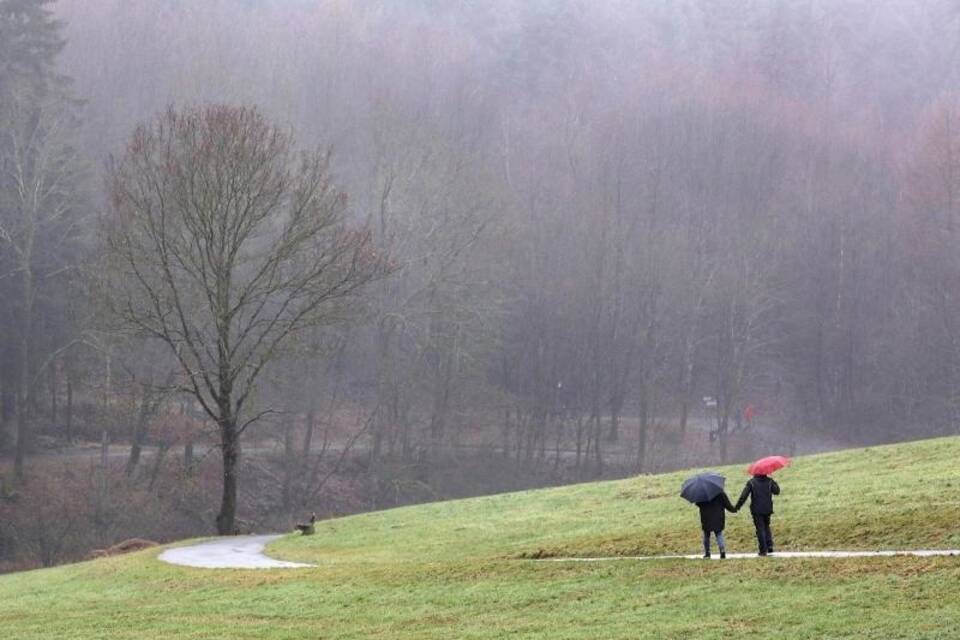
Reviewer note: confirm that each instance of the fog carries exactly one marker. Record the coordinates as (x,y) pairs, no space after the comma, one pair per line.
(596,239)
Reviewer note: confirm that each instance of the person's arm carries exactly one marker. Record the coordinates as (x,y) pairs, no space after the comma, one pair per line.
(743,497)
(727,504)
(774,487)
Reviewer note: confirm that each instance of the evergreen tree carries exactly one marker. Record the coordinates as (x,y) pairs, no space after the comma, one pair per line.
(40,177)
(30,41)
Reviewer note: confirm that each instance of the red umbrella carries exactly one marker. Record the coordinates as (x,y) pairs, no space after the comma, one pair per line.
(766,466)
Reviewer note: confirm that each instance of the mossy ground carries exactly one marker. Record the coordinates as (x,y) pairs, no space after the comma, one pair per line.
(455,570)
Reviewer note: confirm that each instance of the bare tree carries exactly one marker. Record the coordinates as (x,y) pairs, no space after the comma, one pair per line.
(39,212)
(933,202)
(224,243)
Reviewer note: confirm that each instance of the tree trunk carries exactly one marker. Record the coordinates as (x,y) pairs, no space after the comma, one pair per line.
(23,409)
(616,406)
(21,445)
(542,430)
(286,497)
(438,420)
(104,449)
(531,440)
(188,455)
(558,422)
(6,397)
(723,445)
(686,382)
(26,354)
(139,432)
(406,446)
(230,444)
(521,425)
(134,458)
(158,463)
(723,425)
(308,432)
(385,381)
(597,433)
(506,432)
(579,441)
(684,409)
(644,423)
(597,452)
(69,407)
(54,393)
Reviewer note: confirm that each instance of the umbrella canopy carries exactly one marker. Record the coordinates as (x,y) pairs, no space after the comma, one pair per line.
(702,487)
(766,466)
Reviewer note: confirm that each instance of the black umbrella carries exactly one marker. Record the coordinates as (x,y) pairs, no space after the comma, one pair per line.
(702,487)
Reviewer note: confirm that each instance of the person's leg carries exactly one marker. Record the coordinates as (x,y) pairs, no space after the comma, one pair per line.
(761,533)
(721,544)
(706,544)
(769,532)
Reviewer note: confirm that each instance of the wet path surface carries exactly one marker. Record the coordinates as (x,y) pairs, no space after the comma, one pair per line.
(922,553)
(235,552)
(246,552)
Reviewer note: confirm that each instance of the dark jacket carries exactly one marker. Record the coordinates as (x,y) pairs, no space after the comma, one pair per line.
(761,490)
(712,515)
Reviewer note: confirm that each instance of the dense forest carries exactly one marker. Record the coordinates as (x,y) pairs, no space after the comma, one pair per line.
(506,244)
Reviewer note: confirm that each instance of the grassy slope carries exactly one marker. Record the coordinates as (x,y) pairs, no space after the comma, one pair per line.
(451,570)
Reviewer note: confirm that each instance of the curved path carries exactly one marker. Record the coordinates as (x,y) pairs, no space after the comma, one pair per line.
(234,552)
(246,552)
(922,553)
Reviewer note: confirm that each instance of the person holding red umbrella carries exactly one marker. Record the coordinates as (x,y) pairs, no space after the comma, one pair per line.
(760,489)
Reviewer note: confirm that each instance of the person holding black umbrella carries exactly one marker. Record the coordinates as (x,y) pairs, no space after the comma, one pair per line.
(706,491)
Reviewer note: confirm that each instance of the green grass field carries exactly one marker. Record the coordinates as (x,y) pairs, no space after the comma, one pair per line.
(459,569)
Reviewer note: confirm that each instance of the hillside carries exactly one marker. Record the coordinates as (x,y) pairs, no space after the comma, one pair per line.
(458,569)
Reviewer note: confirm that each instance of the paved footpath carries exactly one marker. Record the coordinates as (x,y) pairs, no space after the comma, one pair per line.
(234,552)
(246,552)
(923,553)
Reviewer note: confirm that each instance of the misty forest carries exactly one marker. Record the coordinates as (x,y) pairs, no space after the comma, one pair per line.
(267,258)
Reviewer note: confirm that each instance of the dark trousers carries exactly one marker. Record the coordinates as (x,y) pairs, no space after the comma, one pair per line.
(764,536)
(720,542)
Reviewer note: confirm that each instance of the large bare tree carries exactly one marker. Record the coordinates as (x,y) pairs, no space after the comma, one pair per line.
(224,242)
